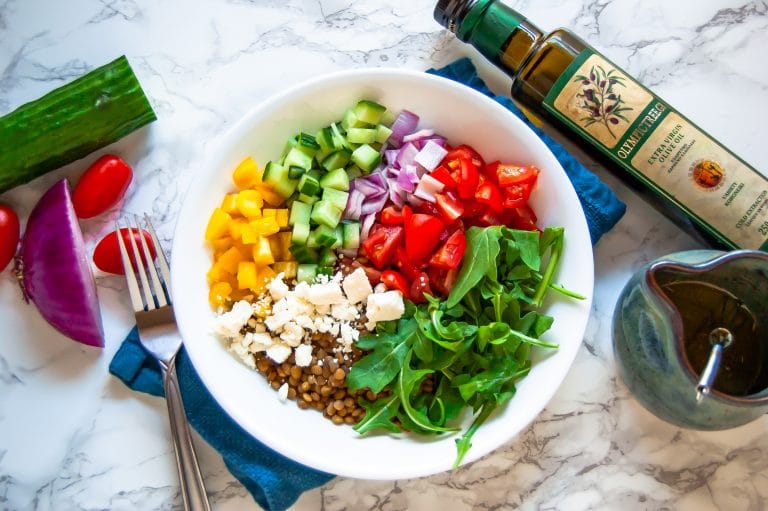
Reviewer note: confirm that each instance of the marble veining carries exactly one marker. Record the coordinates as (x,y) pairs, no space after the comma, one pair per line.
(72,437)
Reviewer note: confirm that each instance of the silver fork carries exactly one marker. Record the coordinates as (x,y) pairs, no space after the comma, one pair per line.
(151,299)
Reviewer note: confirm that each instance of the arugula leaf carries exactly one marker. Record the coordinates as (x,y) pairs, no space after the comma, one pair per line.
(528,244)
(485,248)
(379,414)
(408,379)
(381,366)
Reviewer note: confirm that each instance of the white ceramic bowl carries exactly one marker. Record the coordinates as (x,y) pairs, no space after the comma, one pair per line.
(464,116)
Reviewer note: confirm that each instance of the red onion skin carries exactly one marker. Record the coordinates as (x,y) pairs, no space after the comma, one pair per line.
(56,274)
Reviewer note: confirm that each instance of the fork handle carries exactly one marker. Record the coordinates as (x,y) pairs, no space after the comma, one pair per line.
(192,488)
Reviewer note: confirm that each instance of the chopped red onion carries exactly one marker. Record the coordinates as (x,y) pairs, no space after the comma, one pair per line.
(366,226)
(407,154)
(354,205)
(404,124)
(418,135)
(430,155)
(428,187)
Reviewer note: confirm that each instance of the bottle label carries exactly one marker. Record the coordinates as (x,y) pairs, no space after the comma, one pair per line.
(648,138)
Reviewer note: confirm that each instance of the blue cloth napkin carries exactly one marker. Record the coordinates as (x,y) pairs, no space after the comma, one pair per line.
(275,481)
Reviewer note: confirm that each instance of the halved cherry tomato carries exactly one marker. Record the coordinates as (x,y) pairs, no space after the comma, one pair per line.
(516,195)
(101,186)
(514,175)
(450,253)
(391,216)
(444,176)
(490,171)
(381,244)
(9,235)
(395,280)
(106,255)
(466,151)
(524,219)
(428,208)
(489,194)
(419,286)
(467,176)
(422,234)
(405,265)
(443,280)
(449,206)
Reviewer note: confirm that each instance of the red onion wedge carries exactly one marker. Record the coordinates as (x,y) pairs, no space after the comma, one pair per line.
(55,272)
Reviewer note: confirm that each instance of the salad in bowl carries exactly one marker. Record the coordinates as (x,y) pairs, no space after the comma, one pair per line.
(371,284)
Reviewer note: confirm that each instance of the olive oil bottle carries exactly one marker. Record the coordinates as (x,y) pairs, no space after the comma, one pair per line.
(601,113)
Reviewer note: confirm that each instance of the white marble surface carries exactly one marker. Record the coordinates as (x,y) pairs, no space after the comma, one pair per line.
(73,437)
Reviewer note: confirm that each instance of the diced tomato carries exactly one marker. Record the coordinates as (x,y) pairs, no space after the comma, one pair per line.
(449,206)
(381,244)
(394,280)
(524,219)
(391,216)
(467,176)
(441,174)
(450,253)
(422,234)
(407,212)
(489,194)
(514,175)
(473,208)
(405,265)
(516,195)
(419,286)
(428,208)
(466,151)
(490,171)
(443,280)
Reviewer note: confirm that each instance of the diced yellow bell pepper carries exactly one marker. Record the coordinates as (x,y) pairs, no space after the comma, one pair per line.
(265,226)
(219,294)
(218,225)
(246,275)
(270,196)
(247,174)
(229,260)
(266,274)
(284,239)
(236,227)
(216,273)
(249,203)
(288,268)
(262,253)
(221,245)
(275,247)
(271,212)
(248,235)
(281,215)
(229,204)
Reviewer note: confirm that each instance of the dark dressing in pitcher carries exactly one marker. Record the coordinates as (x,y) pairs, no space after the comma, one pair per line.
(704,307)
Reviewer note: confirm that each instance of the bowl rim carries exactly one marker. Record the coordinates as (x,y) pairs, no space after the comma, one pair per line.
(226,140)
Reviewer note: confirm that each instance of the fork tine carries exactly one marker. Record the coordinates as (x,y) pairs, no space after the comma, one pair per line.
(140,268)
(158,288)
(161,260)
(133,285)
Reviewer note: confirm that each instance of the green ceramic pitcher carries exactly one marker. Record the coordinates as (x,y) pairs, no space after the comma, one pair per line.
(660,340)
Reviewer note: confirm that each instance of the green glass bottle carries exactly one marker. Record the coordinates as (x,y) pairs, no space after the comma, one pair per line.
(602,114)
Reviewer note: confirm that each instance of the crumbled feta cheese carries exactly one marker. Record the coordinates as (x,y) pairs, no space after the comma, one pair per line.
(279,352)
(356,286)
(348,336)
(384,307)
(282,392)
(380,288)
(292,334)
(229,324)
(277,288)
(303,355)
(301,290)
(257,342)
(345,312)
(304,321)
(325,294)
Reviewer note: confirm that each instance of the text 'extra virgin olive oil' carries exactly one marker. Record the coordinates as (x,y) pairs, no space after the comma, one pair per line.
(598,110)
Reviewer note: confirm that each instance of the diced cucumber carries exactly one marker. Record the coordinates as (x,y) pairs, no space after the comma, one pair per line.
(326,213)
(324,139)
(303,253)
(307,144)
(327,258)
(337,179)
(300,233)
(388,117)
(297,157)
(337,159)
(339,235)
(306,273)
(312,239)
(354,171)
(351,235)
(276,176)
(350,120)
(325,270)
(309,184)
(325,236)
(339,140)
(308,199)
(362,135)
(295,172)
(300,213)
(336,197)
(382,133)
(289,144)
(366,157)
(369,111)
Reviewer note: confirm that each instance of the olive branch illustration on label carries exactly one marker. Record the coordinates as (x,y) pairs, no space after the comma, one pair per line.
(599,99)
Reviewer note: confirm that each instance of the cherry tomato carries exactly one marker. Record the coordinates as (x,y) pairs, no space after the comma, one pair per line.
(442,174)
(489,194)
(106,255)
(516,195)
(443,280)
(449,206)
(419,286)
(514,175)
(381,244)
(422,234)
(524,219)
(101,186)
(468,178)
(394,280)
(405,265)
(9,235)
(451,252)
(391,216)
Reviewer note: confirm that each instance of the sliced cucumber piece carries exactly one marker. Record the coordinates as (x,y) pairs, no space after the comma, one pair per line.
(326,213)
(382,133)
(369,111)
(309,184)
(306,273)
(298,158)
(351,235)
(276,176)
(303,253)
(327,258)
(295,172)
(337,133)
(339,235)
(362,135)
(325,270)
(336,197)
(337,159)
(325,236)
(307,144)
(300,234)
(312,239)
(300,213)
(336,179)
(350,120)
(308,199)
(366,157)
